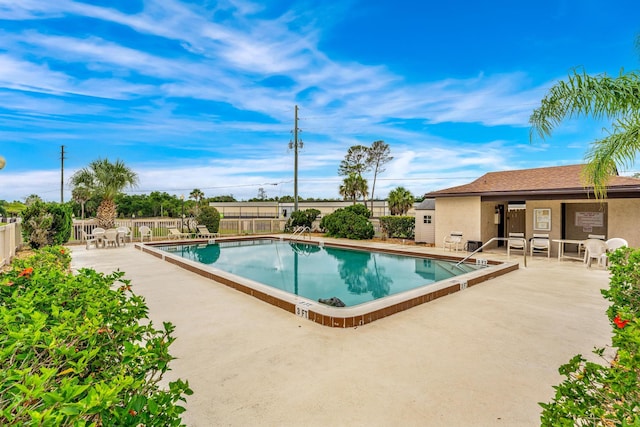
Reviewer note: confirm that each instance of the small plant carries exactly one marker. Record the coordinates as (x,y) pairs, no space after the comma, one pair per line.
(79,349)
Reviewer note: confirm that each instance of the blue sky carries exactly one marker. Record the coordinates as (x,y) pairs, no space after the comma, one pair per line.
(201,93)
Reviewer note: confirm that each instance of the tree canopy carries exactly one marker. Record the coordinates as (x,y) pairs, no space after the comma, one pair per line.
(105,180)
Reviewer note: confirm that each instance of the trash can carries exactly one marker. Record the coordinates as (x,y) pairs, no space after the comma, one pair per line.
(473,245)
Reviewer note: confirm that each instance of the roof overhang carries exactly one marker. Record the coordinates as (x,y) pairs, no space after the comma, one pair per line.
(621,192)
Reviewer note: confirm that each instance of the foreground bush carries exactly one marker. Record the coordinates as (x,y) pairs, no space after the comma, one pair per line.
(402,227)
(73,350)
(351,222)
(606,394)
(46,224)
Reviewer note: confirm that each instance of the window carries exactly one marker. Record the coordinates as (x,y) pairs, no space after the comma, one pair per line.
(426,219)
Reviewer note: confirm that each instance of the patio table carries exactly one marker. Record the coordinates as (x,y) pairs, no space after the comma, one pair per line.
(562,242)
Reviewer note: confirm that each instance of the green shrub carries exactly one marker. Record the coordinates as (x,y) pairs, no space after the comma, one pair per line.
(303,218)
(606,394)
(79,349)
(210,217)
(46,224)
(359,210)
(398,226)
(347,224)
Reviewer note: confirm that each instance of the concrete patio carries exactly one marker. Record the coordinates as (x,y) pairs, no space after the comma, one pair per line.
(481,357)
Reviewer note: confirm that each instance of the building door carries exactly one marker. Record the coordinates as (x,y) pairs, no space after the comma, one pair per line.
(516,221)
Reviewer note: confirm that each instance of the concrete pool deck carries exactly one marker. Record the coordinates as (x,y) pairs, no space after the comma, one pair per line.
(484,356)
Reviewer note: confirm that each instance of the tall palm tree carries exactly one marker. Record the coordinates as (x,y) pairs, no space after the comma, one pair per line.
(105,180)
(400,201)
(197,195)
(599,96)
(80,194)
(354,186)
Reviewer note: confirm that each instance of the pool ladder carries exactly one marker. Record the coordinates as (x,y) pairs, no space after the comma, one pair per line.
(301,231)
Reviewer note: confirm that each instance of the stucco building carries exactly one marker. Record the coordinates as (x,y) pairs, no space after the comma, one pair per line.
(550,200)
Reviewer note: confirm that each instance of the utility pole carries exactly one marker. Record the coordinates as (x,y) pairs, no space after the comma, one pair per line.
(62,174)
(297,143)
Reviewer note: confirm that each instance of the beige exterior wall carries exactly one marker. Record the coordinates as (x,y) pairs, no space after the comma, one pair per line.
(556,221)
(458,214)
(476,219)
(624,219)
(489,227)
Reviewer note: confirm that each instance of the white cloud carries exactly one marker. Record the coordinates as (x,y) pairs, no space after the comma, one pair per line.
(137,96)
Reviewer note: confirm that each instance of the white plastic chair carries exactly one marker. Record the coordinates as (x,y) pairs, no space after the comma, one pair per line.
(594,249)
(516,242)
(453,240)
(111,237)
(145,232)
(540,244)
(124,234)
(613,244)
(90,239)
(596,236)
(98,233)
(592,236)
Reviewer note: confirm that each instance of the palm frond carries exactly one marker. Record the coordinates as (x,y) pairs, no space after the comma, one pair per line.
(584,95)
(605,155)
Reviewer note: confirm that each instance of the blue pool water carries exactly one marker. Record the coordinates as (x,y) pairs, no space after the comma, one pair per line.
(315,272)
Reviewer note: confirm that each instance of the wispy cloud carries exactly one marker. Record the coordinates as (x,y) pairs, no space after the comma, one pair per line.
(185,78)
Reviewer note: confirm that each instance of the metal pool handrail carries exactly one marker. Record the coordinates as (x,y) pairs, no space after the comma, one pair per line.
(301,231)
(524,246)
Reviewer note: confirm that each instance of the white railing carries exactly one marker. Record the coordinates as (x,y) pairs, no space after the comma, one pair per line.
(301,232)
(160,226)
(10,242)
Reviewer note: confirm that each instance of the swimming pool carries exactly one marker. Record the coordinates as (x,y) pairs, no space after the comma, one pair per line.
(295,275)
(321,272)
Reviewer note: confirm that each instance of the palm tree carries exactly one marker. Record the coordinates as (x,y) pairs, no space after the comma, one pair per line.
(105,180)
(599,96)
(80,194)
(400,201)
(354,186)
(196,194)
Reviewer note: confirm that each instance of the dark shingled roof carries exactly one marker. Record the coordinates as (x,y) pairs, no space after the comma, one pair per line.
(551,180)
(427,204)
